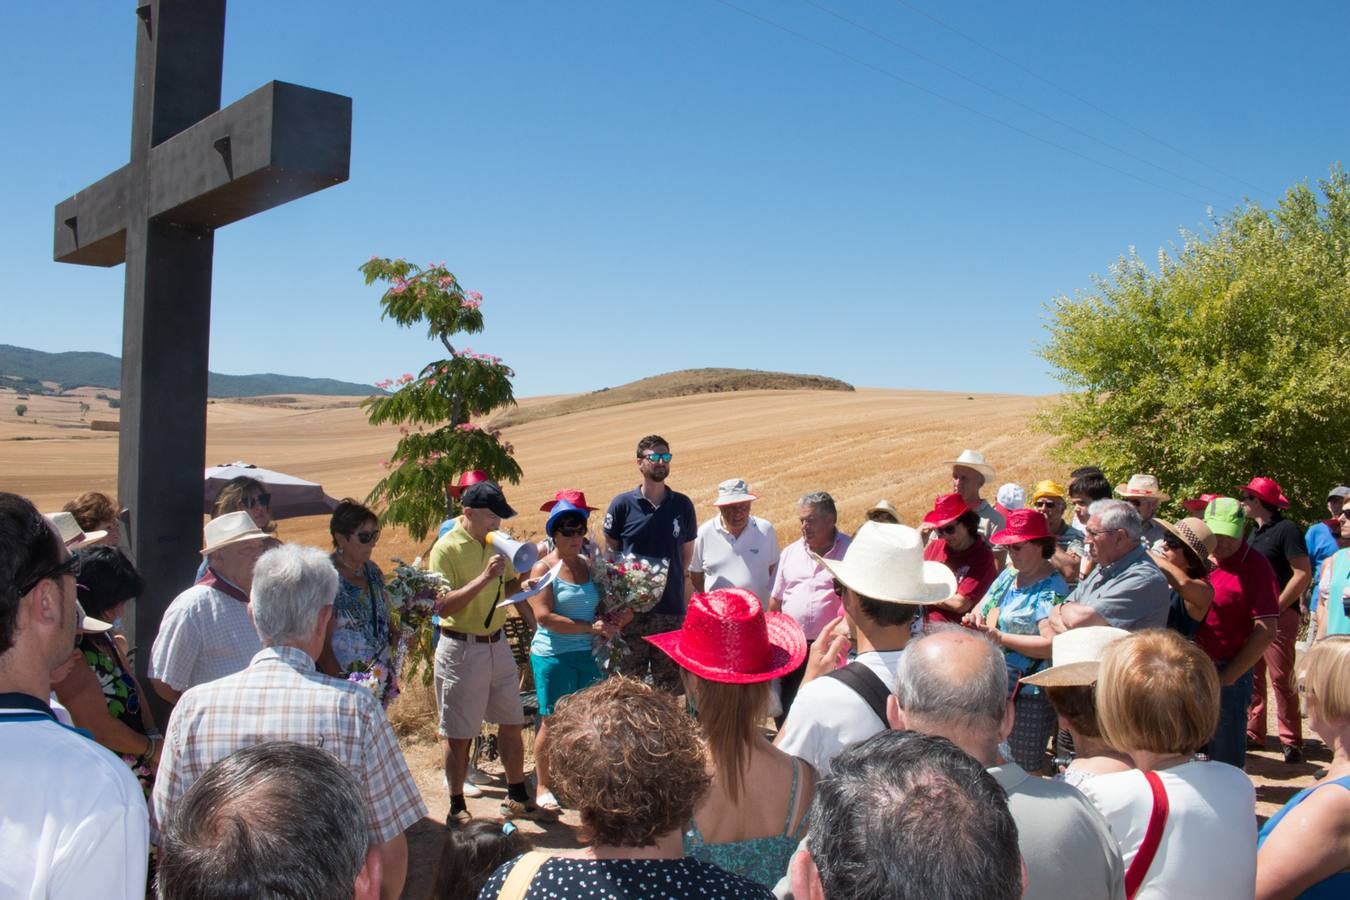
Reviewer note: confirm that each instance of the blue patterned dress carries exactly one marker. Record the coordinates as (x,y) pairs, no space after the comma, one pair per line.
(361,638)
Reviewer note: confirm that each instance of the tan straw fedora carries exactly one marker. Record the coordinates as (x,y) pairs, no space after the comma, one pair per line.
(231,528)
(1142,486)
(72,535)
(885,562)
(1077,655)
(972,459)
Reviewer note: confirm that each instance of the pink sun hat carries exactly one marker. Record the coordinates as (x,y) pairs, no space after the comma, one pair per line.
(728,637)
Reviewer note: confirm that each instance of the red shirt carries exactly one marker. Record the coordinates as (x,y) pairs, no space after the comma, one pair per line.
(1244,591)
(974,568)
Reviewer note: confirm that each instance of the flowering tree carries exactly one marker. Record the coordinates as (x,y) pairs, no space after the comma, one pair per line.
(436,408)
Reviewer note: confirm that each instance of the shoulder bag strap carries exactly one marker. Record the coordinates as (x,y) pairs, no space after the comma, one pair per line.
(1157,821)
(867,685)
(522,874)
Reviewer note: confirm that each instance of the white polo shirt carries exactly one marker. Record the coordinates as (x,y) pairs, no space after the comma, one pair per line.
(742,562)
(73,821)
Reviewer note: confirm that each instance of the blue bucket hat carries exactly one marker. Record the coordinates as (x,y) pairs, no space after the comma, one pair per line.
(562,508)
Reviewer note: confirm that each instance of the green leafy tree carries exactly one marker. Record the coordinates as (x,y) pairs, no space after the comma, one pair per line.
(437,407)
(1228,361)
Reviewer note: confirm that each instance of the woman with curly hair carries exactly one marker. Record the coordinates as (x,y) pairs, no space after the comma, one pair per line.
(631,762)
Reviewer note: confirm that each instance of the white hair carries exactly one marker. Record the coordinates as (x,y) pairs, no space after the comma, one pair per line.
(291,585)
(1117,514)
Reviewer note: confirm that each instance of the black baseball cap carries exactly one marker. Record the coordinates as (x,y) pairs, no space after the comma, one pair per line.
(486,495)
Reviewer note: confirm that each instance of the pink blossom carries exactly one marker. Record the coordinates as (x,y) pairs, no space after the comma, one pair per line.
(475,297)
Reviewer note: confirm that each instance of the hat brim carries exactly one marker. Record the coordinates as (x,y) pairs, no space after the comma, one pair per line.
(499,508)
(548,506)
(1005,537)
(983,468)
(1202,551)
(90,625)
(84,540)
(1123,491)
(1074,674)
(740,498)
(932,518)
(787,649)
(238,539)
(1280,501)
(937,582)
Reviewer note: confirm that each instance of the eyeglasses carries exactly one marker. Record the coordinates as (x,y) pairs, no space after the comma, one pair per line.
(947,529)
(1098,532)
(68,566)
(658,457)
(577,530)
(263,500)
(367,537)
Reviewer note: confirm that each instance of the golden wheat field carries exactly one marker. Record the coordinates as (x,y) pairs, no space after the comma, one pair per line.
(860,446)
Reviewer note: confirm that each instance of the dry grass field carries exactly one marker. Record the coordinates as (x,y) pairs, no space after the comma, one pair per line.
(860,446)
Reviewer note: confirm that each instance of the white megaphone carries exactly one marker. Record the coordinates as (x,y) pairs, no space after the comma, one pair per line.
(521,555)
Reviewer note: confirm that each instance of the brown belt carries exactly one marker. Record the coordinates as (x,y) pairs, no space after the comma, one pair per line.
(474,638)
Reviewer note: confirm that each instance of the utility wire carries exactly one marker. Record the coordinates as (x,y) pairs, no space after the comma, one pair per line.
(1011,99)
(1066,91)
(886,73)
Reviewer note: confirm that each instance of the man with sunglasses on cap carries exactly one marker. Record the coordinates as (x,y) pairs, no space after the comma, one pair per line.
(653,520)
(476,676)
(206,632)
(74,820)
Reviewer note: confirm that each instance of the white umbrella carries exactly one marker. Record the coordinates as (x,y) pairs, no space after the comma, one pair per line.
(291,496)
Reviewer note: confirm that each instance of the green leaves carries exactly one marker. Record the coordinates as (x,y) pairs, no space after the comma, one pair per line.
(1228,361)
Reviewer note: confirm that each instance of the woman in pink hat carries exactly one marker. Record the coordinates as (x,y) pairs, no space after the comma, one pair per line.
(956,543)
(729,650)
(1019,600)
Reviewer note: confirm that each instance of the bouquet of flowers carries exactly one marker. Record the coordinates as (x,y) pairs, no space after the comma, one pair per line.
(375,677)
(412,593)
(626,581)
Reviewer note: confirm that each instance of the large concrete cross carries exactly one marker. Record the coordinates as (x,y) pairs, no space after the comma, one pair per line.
(194,168)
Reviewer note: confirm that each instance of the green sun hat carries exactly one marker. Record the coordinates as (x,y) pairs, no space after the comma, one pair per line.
(1224,516)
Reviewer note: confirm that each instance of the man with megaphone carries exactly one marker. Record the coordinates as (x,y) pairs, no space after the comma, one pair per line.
(476,675)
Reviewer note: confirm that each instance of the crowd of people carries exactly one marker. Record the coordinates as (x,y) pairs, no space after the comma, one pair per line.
(1051,695)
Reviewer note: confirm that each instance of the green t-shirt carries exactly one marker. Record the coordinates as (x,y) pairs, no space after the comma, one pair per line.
(461,559)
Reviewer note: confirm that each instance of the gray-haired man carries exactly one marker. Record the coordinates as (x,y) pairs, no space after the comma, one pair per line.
(280,696)
(1126,589)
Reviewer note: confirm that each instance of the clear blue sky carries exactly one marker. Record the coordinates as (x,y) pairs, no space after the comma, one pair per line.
(643,186)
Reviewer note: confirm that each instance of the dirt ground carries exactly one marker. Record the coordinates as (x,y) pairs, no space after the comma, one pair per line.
(860,446)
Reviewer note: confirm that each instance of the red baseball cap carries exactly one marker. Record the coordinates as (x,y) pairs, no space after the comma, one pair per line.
(728,637)
(468,479)
(1268,489)
(1023,525)
(576,498)
(947,508)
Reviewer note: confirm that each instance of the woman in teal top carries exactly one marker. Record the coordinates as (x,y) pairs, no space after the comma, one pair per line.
(560,654)
(754,815)
(1332,616)
(1304,850)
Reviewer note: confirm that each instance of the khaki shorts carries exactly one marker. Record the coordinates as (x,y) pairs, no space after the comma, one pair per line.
(476,683)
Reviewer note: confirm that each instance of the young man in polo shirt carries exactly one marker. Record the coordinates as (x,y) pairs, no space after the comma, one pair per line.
(1239,626)
(653,520)
(734,548)
(476,675)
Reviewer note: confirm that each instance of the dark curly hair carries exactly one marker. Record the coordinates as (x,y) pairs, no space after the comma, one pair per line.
(348,517)
(629,759)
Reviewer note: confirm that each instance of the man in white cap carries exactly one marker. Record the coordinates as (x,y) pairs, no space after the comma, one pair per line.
(883,581)
(734,548)
(969,474)
(206,633)
(1142,492)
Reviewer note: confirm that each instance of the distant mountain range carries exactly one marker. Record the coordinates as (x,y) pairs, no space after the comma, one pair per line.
(84,369)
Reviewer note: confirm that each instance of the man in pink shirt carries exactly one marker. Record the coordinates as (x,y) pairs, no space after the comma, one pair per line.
(802,587)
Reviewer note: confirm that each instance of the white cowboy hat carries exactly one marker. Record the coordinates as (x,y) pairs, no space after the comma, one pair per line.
(1077,655)
(1142,486)
(885,562)
(733,490)
(72,535)
(973,459)
(231,528)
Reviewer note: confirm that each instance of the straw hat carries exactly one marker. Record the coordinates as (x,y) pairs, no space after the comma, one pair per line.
(231,528)
(1077,656)
(728,637)
(72,535)
(885,562)
(883,506)
(972,459)
(1194,533)
(1142,486)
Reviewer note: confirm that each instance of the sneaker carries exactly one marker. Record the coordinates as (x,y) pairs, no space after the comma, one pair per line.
(1292,753)
(514,809)
(476,775)
(546,801)
(470,789)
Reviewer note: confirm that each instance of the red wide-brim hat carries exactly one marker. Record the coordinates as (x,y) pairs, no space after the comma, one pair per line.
(728,637)
(1023,525)
(576,498)
(1269,490)
(947,508)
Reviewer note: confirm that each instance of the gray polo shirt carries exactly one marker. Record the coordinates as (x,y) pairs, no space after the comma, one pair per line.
(1130,593)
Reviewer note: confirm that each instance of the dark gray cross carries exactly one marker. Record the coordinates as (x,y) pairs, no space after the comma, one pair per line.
(194,168)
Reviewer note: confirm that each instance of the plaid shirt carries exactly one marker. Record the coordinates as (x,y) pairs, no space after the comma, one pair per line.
(281,696)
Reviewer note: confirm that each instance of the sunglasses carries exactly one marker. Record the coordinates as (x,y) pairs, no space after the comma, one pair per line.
(263,500)
(68,566)
(1173,543)
(577,530)
(947,529)
(367,537)
(1345,513)
(1047,504)
(658,457)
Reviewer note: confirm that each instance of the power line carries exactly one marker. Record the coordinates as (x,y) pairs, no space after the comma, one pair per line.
(886,73)
(1066,91)
(1011,99)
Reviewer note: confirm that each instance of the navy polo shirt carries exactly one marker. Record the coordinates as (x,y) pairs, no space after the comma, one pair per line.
(657,531)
